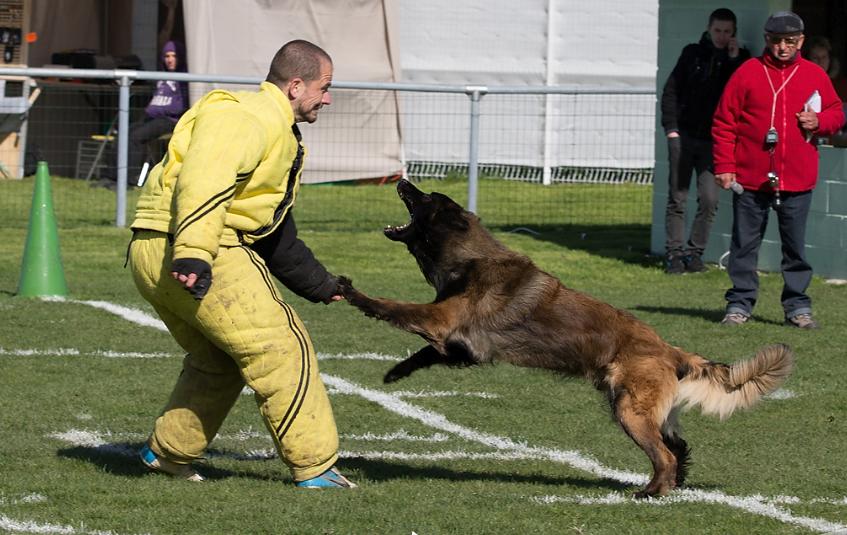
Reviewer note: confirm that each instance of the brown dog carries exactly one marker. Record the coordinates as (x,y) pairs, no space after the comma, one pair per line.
(494,304)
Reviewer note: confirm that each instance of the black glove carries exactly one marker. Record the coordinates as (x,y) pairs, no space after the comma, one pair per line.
(187,266)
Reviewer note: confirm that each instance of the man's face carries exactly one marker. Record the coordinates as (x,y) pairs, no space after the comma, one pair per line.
(311,96)
(784,47)
(170,61)
(721,32)
(820,56)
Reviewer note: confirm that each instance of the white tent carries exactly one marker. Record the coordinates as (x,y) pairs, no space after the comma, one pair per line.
(359,136)
(604,44)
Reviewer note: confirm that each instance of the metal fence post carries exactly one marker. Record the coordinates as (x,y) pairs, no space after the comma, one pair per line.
(123,144)
(475,92)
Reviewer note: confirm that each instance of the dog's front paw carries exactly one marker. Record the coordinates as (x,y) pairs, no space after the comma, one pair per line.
(351,294)
(355,297)
(396,373)
(345,286)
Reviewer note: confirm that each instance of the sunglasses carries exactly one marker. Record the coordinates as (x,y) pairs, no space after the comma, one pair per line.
(789,41)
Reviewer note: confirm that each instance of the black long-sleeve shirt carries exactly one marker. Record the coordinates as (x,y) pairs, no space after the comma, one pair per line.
(293,263)
(694,87)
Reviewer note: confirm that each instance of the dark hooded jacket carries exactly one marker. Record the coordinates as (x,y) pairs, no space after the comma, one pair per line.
(170,98)
(694,87)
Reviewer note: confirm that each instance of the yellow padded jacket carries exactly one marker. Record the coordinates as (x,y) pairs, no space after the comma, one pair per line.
(230,175)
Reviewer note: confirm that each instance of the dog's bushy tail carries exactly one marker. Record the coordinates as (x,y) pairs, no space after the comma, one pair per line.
(720,389)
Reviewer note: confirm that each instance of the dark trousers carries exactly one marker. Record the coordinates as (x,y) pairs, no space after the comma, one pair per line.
(142,133)
(689,155)
(750,212)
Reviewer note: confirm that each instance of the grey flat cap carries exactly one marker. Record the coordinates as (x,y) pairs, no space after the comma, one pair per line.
(784,22)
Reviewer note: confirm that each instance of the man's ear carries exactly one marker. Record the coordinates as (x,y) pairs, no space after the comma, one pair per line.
(295,88)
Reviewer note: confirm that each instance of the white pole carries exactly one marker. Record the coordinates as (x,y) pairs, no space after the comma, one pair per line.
(547,177)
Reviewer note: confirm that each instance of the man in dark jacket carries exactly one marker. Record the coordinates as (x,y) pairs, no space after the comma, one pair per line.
(689,99)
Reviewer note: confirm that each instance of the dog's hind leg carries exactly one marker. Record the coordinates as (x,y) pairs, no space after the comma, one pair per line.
(423,358)
(640,424)
(674,442)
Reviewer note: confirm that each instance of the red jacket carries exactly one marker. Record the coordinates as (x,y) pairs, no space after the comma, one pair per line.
(743,117)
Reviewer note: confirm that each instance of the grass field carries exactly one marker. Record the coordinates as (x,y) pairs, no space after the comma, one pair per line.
(488,450)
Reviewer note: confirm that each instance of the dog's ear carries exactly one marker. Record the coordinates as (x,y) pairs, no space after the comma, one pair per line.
(457,221)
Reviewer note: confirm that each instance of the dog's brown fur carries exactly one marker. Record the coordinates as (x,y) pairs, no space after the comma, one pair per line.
(495,304)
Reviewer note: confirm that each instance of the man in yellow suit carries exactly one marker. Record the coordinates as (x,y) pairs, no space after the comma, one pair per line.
(213,223)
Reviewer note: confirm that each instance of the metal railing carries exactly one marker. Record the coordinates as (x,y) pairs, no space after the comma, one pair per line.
(475,93)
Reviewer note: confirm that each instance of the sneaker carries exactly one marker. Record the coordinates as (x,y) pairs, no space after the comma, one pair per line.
(157,464)
(734,318)
(328,480)
(674,265)
(802,321)
(695,264)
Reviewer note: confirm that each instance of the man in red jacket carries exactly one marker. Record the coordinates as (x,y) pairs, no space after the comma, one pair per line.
(764,133)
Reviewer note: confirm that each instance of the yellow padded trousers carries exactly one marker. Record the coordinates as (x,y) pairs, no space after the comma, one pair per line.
(240,333)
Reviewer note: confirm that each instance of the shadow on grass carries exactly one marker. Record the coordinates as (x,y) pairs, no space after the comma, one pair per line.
(715,315)
(629,243)
(121,459)
(378,470)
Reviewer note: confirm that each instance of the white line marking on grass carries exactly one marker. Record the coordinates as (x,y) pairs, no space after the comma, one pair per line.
(442,394)
(780,393)
(93,439)
(752,504)
(451,455)
(130,314)
(29,498)
(358,356)
(10,525)
(244,435)
(62,352)
(70,352)
(401,435)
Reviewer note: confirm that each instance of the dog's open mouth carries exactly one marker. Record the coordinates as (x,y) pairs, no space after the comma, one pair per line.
(399,233)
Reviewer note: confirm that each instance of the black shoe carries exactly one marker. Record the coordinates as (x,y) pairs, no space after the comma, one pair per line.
(694,264)
(674,265)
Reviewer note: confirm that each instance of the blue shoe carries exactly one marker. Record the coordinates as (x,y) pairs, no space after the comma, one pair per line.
(153,462)
(330,479)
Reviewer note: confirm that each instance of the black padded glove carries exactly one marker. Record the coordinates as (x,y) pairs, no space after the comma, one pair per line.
(187,266)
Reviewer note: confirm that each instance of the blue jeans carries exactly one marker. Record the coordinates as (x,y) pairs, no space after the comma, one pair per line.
(750,212)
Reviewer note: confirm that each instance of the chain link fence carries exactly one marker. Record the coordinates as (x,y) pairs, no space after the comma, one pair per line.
(519,157)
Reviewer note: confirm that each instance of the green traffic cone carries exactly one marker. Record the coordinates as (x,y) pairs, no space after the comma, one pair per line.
(41,270)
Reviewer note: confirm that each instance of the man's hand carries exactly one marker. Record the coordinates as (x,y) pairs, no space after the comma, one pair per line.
(808,120)
(337,295)
(725,179)
(732,48)
(672,135)
(194,274)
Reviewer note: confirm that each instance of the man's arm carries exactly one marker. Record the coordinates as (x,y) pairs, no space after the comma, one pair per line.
(224,143)
(831,117)
(724,130)
(293,263)
(670,96)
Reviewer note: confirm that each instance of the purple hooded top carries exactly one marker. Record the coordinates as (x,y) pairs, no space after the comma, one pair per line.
(170,99)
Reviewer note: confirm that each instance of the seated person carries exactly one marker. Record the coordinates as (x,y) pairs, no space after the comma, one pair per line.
(169,102)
